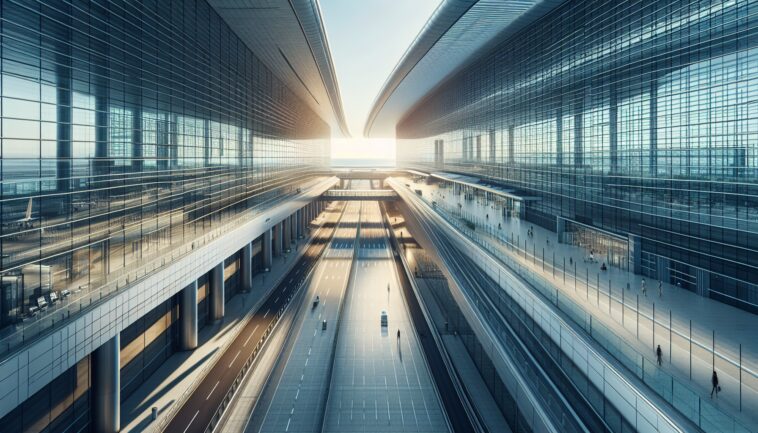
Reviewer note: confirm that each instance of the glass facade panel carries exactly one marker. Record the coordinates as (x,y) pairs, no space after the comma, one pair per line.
(636,118)
(130,128)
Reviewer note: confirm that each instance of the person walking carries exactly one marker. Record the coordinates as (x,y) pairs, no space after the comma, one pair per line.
(659,355)
(398,334)
(660,289)
(643,286)
(715,382)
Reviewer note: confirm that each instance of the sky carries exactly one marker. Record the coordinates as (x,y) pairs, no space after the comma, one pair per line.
(367,38)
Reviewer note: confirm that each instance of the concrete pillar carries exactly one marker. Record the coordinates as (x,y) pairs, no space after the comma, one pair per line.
(267,244)
(511,144)
(188,317)
(293,227)
(578,142)
(653,163)
(703,279)
(560,227)
(287,229)
(492,147)
(106,387)
(664,272)
(635,254)
(613,131)
(216,292)
(277,239)
(559,136)
(300,216)
(246,271)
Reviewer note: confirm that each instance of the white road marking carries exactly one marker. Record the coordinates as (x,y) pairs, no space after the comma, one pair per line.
(190,423)
(214,388)
(234,359)
(251,335)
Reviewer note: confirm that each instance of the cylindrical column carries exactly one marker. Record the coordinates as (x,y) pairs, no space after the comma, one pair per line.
(293,227)
(277,239)
(106,387)
(267,249)
(216,289)
(188,317)
(287,229)
(247,268)
(300,223)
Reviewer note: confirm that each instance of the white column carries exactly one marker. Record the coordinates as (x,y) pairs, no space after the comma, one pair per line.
(106,387)
(188,317)
(216,292)
(246,271)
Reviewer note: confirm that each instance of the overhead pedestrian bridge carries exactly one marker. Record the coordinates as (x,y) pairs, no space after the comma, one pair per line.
(359,194)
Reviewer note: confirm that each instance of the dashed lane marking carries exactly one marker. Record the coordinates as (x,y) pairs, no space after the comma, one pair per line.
(214,388)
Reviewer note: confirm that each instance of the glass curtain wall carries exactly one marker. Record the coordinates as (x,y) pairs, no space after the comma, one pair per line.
(635,117)
(129,128)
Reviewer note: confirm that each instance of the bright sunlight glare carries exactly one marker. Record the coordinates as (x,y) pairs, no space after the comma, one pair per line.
(363,152)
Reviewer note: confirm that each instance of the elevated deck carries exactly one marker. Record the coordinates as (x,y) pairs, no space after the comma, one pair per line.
(359,195)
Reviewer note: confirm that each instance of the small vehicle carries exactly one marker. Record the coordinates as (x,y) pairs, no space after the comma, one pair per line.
(323,325)
(316,301)
(383,319)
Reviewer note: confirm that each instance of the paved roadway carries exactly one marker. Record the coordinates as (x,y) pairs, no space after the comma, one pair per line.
(294,398)
(200,407)
(379,383)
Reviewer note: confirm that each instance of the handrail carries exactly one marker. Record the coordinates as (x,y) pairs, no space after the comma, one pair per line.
(125,278)
(512,353)
(568,307)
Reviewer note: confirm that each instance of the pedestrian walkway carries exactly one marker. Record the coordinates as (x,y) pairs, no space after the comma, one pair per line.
(627,312)
(167,388)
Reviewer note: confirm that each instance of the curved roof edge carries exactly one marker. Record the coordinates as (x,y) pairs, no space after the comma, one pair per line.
(288,36)
(456,32)
(323,56)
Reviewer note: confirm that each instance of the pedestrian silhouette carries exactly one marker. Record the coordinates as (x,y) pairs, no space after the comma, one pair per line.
(715,382)
(643,286)
(659,354)
(398,334)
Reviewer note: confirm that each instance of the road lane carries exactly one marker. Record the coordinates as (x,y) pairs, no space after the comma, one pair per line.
(198,410)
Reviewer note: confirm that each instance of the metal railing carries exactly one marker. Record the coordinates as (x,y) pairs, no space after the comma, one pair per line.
(84,297)
(359,194)
(687,401)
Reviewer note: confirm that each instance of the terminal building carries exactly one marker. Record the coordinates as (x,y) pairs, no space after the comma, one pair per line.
(630,126)
(149,149)
(569,239)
